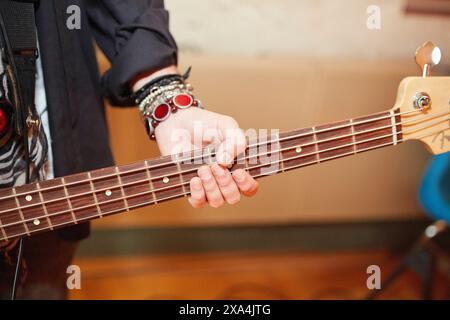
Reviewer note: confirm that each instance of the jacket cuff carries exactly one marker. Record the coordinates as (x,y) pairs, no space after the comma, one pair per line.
(140,48)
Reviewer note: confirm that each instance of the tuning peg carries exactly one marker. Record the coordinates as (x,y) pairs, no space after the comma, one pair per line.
(427,56)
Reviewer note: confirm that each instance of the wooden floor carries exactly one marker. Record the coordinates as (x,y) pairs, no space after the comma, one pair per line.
(278,275)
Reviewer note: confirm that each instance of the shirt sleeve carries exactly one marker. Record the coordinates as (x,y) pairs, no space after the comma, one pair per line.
(135,37)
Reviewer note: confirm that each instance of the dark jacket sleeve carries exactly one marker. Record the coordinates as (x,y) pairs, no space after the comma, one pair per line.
(135,37)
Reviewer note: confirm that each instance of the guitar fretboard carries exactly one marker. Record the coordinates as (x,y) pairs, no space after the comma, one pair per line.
(77,198)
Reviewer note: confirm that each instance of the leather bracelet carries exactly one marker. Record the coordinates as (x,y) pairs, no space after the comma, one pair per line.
(160,81)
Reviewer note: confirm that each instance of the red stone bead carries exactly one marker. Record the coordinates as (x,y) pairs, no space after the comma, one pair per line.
(183,100)
(195,103)
(161,112)
(174,109)
(3,120)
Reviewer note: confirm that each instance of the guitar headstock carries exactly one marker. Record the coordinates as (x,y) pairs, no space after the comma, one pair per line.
(423,104)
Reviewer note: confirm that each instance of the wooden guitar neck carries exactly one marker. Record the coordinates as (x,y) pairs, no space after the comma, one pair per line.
(50,204)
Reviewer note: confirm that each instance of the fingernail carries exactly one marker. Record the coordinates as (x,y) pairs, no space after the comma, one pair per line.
(204,173)
(218,170)
(196,184)
(239,175)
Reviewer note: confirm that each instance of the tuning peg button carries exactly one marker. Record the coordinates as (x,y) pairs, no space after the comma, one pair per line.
(427,56)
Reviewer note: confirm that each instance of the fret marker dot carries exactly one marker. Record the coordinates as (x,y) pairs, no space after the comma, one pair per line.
(108,193)
(298,150)
(36,222)
(166,180)
(28,198)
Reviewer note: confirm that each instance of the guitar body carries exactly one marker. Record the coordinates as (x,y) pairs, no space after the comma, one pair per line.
(434,192)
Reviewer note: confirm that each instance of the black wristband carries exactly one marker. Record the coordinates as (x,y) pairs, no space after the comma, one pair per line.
(159,82)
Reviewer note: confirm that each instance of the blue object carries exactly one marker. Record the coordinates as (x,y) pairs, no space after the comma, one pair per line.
(434,192)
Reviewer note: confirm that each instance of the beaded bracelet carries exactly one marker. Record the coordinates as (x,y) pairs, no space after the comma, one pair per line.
(164,101)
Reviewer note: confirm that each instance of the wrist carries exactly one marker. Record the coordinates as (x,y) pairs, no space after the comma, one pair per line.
(158,100)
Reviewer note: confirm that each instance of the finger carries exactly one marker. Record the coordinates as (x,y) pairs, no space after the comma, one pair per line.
(226,184)
(198,196)
(233,143)
(213,194)
(245,182)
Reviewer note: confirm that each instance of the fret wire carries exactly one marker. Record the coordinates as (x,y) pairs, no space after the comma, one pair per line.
(245,159)
(394,128)
(182,194)
(280,153)
(288,159)
(316,145)
(44,206)
(254,167)
(5,236)
(121,188)
(20,211)
(94,194)
(87,218)
(282,139)
(181,177)
(353,135)
(150,182)
(329,158)
(74,218)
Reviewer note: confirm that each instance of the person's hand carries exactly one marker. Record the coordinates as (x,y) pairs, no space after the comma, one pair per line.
(196,128)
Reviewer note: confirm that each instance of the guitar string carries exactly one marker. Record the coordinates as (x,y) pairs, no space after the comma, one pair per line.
(186,193)
(137,182)
(161,199)
(193,170)
(250,146)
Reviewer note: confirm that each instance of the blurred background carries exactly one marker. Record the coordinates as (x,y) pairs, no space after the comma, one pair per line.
(310,233)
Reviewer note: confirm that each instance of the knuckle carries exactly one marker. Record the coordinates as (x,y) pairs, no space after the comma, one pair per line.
(230,120)
(224,181)
(204,173)
(197,197)
(202,169)
(210,186)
